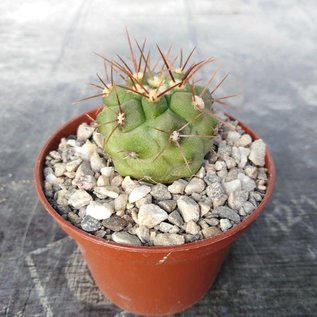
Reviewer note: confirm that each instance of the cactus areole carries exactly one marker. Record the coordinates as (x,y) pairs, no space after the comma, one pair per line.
(156,122)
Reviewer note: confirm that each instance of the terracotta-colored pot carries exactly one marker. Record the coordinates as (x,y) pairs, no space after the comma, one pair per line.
(150,281)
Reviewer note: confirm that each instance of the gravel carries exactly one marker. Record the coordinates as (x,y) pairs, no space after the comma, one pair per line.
(84,187)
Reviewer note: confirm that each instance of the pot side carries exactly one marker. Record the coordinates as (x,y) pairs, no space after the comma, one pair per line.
(151,281)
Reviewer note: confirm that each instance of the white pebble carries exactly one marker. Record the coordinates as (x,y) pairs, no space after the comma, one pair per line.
(225,224)
(99,211)
(151,215)
(257,154)
(188,208)
(232,186)
(79,198)
(138,193)
(107,171)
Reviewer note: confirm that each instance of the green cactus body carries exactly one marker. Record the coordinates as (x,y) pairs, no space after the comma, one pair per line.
(157,126)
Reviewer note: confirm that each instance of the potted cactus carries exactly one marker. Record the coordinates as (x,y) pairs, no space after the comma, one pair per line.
(157,185)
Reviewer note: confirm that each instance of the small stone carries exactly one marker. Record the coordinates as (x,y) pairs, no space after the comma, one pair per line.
(145,200)
(226,212)
(160,192)
(175,218)
(143,233)
(251,171)
(125,238)
(79,198)
(212,178)
(96,162)
(225,224)
(204,208)
(100,233)
(262,175)
(210,232)
(220,165)
(233,137)
(167,239)
(223,149)
(244,140)
(175,229)
(90,224)
(232,186)
(51,179)
(116,181)
(230,162)
(106,191)
(196,185)
(115,223)
(247,183)
(244,152)
(196,197)
(98,139)
(192,227)
(212,221)
(177,187)
(84,132)
(107,171)
(168,205)
(203,224)
(99,211)
(201,172)
(246,208)
(165,227)
(217,193)
(83,169)
(61,197)
(257,154)
(127,182)
(188,208)
(59,169)
(47,171)
(232,175)
(103,181)
(237,199)
(139,192)
(151,215)
(87,150)
(236,154)
(86,182)
(55,155)
(73,218)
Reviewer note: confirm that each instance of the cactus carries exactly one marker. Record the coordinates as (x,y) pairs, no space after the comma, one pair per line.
(157,124)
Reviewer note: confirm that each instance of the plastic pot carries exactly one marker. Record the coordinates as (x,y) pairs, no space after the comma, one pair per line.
(152,281)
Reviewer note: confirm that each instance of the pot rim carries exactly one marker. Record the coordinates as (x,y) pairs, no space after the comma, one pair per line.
(38,183)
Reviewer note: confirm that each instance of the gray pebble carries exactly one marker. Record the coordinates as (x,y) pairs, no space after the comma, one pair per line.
(90,224)
(232,186)
(125,238)
(196,185)
(168,205)
(73,218)
(237,199)
(225,224)
(210,232)
(226,212)
(188,208)
(175,218)
(247,183)
(79,198)
(145,200)
(115,223)
(165,227)
(160,192)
